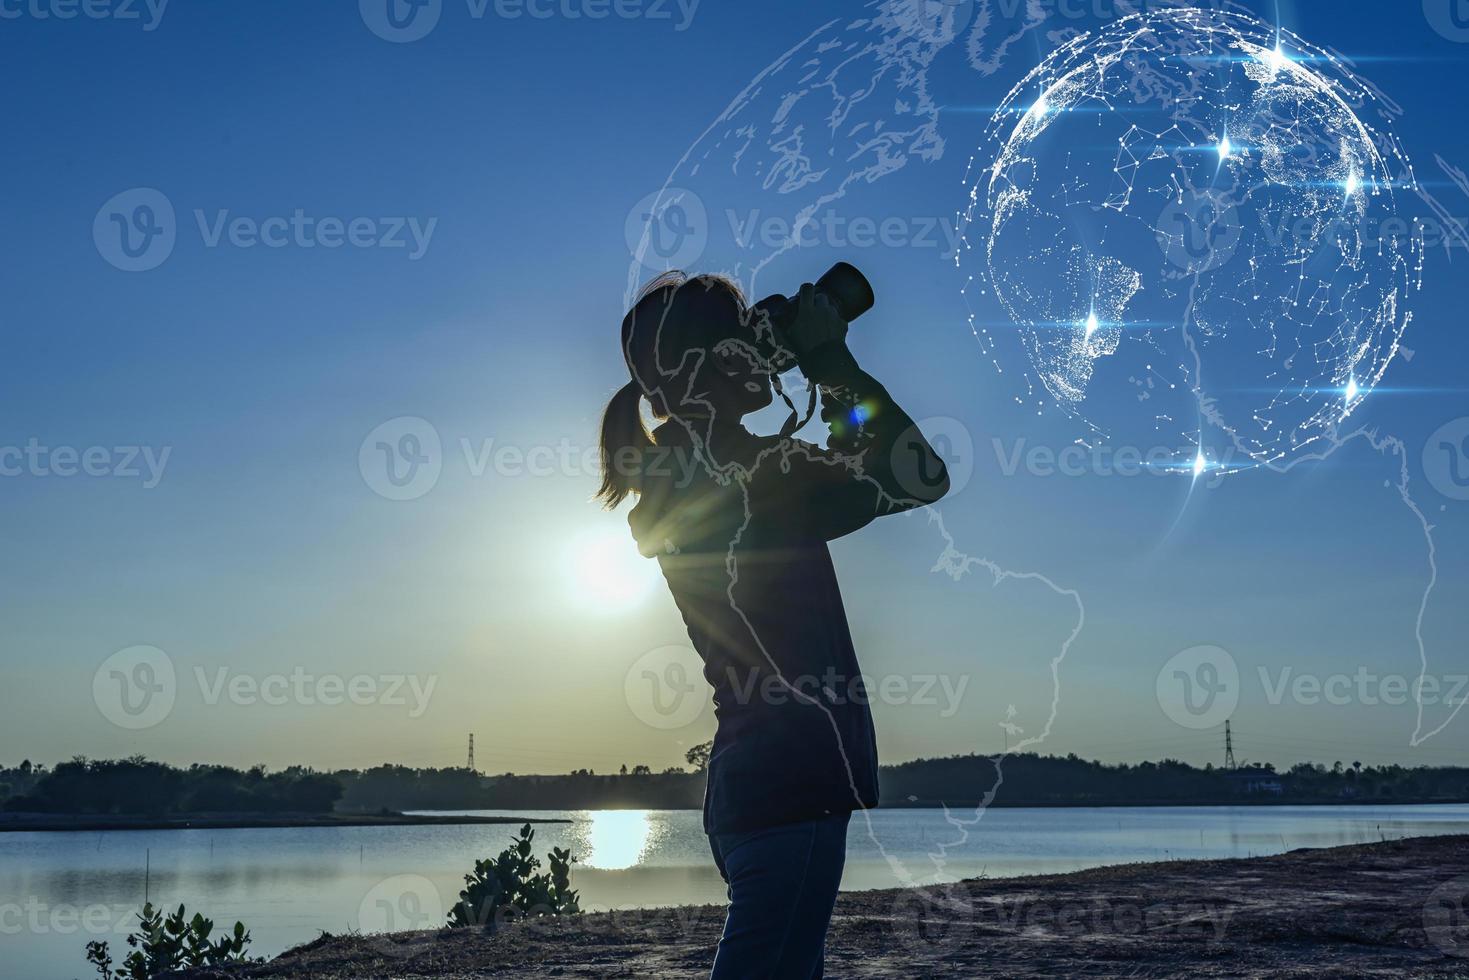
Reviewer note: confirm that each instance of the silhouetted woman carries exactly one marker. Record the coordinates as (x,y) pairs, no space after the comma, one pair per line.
(739,524)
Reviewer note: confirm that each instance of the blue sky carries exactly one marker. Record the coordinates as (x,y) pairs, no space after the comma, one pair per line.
(518,146)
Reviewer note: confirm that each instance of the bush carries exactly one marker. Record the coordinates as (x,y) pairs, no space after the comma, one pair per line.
(509,887)
(161,945)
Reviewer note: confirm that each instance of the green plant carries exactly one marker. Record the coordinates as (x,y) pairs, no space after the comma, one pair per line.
(99,954)
(160,944)
(512,887)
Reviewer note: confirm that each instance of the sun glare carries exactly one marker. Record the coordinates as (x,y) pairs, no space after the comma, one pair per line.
(617,839)
(607,573)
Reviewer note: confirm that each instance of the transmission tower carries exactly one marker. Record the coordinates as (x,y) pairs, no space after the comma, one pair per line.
(470,764)
(1228,747)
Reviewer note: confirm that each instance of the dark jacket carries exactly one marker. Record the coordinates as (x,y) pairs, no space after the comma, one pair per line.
(739,524)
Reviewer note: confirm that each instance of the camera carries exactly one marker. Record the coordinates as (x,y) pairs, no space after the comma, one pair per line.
(846,287)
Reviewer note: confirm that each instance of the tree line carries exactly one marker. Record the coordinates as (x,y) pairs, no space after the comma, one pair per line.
(139,786)
(1039,780)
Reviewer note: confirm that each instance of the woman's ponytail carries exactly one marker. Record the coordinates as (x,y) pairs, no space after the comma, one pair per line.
(654,334)
(624,440)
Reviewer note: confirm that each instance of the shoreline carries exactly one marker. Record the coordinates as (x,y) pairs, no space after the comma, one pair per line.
(1364,910)
(81,822)
(1163,804)
(996,805)
(75,823)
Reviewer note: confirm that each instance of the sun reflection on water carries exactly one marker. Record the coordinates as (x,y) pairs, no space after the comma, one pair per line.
(614,840)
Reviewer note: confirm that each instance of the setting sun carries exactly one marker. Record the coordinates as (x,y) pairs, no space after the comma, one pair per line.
(607,573)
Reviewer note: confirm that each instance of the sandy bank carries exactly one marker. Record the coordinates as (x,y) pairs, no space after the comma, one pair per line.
(1378,910)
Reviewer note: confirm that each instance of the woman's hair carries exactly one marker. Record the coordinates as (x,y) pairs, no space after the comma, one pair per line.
(660,332)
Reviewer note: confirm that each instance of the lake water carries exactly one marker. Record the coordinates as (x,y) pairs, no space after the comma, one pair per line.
(60,890)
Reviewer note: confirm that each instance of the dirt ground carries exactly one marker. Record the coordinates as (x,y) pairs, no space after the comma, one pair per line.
(1379,910)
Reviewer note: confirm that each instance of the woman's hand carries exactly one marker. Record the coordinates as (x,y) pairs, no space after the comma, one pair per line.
(817,322)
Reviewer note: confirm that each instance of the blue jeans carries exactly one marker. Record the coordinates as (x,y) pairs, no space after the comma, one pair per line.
(782,886)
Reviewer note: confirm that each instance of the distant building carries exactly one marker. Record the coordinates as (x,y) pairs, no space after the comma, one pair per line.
(1256,781)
